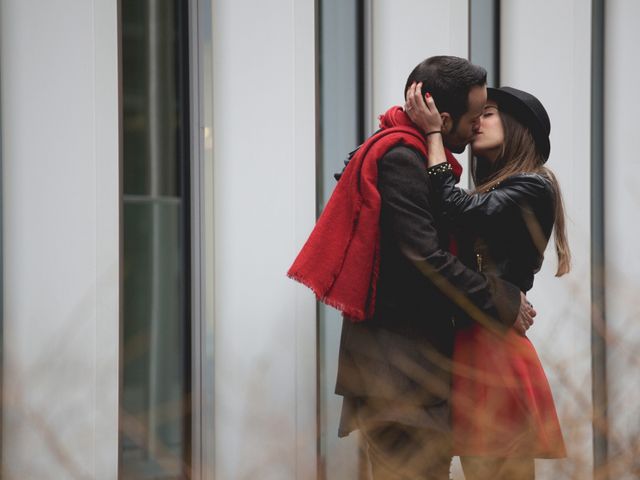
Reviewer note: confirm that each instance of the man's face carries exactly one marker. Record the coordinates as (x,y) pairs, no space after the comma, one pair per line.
(456,139)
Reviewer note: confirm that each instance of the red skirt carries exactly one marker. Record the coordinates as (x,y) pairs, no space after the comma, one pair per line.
(501,401)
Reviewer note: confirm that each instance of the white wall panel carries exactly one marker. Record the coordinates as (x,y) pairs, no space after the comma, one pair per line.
(622,201)
(60,154)
(406,32)
(555,66)
(264,208)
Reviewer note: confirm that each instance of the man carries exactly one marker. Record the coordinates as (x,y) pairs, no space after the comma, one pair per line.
(394,371)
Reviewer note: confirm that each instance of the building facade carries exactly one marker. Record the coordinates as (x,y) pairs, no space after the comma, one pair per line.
(164,160)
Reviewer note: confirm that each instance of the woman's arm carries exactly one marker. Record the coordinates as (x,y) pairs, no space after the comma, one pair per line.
(480,210)
(423,112)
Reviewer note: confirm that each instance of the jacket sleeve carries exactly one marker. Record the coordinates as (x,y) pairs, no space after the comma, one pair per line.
(484,210)
(404,188)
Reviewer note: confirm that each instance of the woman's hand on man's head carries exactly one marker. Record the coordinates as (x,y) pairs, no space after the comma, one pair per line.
(422,110)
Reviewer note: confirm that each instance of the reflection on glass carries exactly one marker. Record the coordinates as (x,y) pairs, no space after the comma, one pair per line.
(155,399)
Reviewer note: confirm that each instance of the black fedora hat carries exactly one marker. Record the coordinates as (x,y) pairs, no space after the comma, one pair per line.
(528,110)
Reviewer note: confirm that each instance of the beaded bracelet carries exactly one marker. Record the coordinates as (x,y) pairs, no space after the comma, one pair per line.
(440,169)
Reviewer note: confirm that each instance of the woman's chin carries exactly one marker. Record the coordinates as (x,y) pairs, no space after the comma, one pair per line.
(477,150)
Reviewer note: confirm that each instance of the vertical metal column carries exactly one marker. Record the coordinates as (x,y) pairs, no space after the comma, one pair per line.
(365,14)
(202,367)
(155,151)
(365,129)
(598,319)
(1,280)
(321,462)
(197,312)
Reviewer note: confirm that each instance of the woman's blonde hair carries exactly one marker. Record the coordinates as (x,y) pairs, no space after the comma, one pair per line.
(519,154)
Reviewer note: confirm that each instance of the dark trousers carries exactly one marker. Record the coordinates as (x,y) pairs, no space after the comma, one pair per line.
(486,468)
(401,452)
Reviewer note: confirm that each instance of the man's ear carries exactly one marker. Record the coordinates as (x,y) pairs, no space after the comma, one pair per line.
(447,122)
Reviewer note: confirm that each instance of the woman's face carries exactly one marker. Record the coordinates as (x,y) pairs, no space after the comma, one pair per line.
(488,140)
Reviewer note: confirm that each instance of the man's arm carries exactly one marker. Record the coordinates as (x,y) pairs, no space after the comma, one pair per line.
(404,190)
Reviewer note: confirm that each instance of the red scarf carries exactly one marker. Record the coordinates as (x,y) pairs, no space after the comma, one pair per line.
(341,259)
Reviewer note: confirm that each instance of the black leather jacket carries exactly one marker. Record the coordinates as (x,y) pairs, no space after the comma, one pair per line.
(504,231)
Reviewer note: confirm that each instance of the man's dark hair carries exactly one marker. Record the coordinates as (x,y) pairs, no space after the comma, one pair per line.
(448,79)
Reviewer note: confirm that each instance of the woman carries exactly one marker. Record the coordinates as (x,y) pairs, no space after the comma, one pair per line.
(503,415)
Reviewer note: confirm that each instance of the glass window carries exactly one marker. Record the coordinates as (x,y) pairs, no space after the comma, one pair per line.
(484,37)
(342,114)
(155,369)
